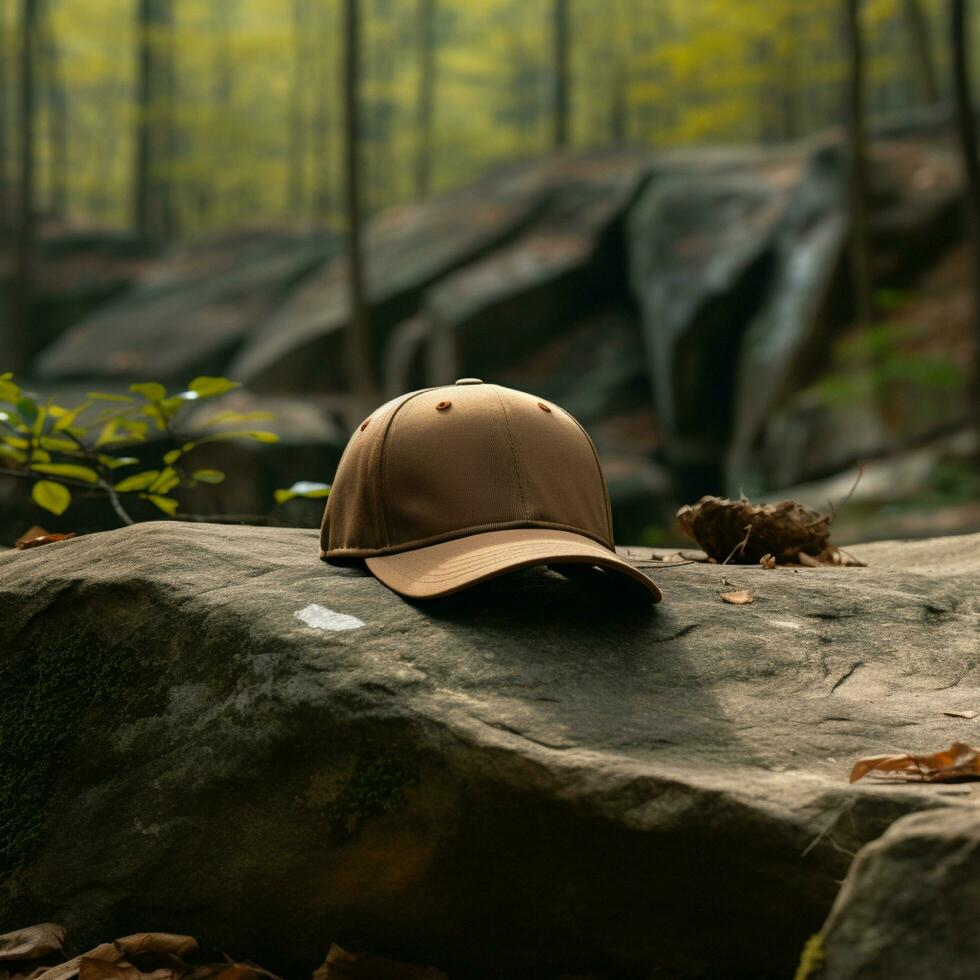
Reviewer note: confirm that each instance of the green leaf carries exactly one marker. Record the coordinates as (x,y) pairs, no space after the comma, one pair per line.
(222,418)
(104,396)
(208,387)
(84,473)
(114,462)
(16,441)
(135,428)
(57,445)
(9,392)
(66,418)
(109,433)
(259,435)
(151,390)
(121,430)
(27,409)
(303,488)
(166,481)
(138,481)
(167,504)
(8,452)
(208,476)
(40,456)
(171,457)
(51,496)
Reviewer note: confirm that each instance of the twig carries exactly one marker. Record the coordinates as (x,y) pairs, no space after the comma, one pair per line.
(104,480)
(854,561)
(741,545)
(116,502)
(834,511)
(825,831)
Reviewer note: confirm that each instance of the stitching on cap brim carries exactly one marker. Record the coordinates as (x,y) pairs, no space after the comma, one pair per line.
(441,569)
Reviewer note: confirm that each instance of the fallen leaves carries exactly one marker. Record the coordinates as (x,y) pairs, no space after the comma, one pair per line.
(36,536)
(736,531)
(959,761)
(342,965)
(32,942)
(26,954)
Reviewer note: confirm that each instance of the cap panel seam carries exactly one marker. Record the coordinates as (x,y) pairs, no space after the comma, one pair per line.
(598,466)
(382,480)
(513,453)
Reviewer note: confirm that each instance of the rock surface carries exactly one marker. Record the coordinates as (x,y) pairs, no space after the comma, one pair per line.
(207,730)
(906,907)
(190,313)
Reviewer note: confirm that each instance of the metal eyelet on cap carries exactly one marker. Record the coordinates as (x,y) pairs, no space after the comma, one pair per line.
(442,406)
(543,407)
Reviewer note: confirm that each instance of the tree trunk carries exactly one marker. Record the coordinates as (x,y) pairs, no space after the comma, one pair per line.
(6,200)
(322,169)
(560,79)
(57,99)
(223,88)
(857,167)
(920,48)
(967,133)
(152,194)
(296,183)
(425,97)
(363,392)
(22,290)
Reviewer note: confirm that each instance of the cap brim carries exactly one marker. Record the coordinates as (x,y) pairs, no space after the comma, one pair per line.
(444,568)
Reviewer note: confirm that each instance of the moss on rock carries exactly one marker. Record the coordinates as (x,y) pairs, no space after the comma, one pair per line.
(44,694)
(376,786)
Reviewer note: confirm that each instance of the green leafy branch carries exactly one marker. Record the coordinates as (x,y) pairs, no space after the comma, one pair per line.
(85,447)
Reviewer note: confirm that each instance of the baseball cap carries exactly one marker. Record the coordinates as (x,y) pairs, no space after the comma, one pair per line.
(445,487)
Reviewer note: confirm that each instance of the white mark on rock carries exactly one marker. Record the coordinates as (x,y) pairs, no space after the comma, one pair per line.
(321,618)
(786,624)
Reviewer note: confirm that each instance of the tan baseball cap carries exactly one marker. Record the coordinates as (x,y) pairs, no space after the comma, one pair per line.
(445,487)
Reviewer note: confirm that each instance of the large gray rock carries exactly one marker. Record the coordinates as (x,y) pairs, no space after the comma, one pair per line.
(406,250)
(700,249)
(778,435)
(570,263)
(906,909)
(187,314)
(207,730)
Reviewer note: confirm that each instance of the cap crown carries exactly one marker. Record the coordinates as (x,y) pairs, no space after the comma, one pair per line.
(445,462)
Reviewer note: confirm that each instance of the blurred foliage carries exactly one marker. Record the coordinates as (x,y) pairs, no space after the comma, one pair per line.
(257,118)
(872,362)
(89,446)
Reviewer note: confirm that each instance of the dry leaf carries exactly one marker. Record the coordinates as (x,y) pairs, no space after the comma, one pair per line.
(156,942)
(767,561)
(342,965)
(740,597)
(960,714)
(24,542)
(782,530)
(69,969)
(33,942)
(959,761)
(90,968)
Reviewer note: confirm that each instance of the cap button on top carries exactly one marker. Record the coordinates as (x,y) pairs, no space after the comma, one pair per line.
(468,381)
